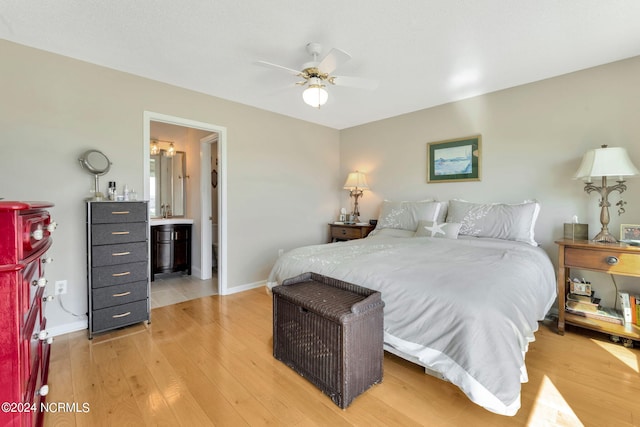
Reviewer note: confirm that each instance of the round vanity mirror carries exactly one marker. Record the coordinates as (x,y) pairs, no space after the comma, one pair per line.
(96,163)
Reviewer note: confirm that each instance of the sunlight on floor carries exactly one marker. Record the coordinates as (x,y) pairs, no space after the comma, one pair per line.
(625,355)
(551,409)
(172,289)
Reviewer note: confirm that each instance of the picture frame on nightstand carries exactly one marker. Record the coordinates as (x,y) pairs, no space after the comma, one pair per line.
(630,233)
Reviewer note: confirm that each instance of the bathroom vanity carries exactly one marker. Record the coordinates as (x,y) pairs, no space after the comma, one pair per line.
(170,246)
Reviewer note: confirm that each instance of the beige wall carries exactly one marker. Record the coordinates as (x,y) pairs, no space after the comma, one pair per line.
(282,173)
(533,138)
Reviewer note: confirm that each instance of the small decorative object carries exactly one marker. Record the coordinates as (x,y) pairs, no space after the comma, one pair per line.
(604,162)
(454,160)
(630,233)
(356,183)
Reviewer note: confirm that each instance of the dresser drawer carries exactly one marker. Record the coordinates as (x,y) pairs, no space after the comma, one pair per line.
(610,261)
(110,296)
(345,232)
(109,234)
(119,253)
(119,274)
(34,231)
(117,212)
(121,315)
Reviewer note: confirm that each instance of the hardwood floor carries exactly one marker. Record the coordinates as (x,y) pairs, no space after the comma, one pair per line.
(209,362)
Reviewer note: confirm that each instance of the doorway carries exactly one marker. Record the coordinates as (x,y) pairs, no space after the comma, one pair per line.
(200,205)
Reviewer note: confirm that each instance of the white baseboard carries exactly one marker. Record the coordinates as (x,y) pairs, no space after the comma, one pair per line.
(247,287)
(67,328)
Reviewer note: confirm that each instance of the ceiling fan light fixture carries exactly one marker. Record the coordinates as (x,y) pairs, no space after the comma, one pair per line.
(315,95)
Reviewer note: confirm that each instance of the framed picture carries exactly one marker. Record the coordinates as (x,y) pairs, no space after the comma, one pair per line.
(454,160)
(630,233)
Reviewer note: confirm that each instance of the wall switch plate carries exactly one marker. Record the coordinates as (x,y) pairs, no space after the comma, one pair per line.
(61,287)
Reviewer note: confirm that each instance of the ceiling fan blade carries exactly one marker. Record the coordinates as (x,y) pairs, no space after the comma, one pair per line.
(278,67)
(333,60)
(356,82)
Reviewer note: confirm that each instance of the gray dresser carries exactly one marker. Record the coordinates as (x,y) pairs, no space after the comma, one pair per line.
(117,264)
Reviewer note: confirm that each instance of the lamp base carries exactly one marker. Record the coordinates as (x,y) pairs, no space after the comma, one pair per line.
(605,237)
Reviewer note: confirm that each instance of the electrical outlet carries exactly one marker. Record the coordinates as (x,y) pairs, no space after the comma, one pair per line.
(280,252)
(61,287)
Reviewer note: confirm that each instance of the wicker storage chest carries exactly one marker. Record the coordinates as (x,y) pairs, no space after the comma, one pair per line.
(330,332)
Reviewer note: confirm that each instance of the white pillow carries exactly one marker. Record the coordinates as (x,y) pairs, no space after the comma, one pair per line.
(496,220)
(447,230)
(405,215)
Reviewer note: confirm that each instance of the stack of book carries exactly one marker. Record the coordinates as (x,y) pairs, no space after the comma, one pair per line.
(589,306)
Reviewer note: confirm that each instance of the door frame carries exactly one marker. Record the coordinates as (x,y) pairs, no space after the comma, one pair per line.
(148,117)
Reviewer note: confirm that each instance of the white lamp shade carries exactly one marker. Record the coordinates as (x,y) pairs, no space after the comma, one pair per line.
(606,161)
(315,95)
(356,180)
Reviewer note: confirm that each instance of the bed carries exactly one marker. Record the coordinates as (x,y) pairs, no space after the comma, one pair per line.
(465,307)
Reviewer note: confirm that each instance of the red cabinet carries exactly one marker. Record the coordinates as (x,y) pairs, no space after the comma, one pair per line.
(25,237)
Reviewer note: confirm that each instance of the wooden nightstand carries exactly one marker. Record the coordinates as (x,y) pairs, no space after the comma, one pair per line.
(348,231)
(612,258)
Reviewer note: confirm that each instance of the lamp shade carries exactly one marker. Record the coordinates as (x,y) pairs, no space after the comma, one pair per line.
(356,180)
(315,95)
(606,161)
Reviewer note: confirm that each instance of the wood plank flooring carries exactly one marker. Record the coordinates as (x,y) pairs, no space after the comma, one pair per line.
(209,362)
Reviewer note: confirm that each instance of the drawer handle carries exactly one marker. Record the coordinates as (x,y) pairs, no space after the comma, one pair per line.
(117,233)
(41,282)
(42,335)
(344,232)
(612,260)
(121,253)
(121,274)
(117,316)
(124,294)
(43,391)
(120,213)
(37,234)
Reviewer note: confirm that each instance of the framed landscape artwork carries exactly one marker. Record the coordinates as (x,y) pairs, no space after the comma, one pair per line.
(454,160)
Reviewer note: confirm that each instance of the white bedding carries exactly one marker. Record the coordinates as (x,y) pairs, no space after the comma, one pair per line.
(466,308)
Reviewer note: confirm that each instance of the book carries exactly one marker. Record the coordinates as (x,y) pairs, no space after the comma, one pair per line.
(632,304)
(582,302)
(604,313)
(625,306)
(637,310)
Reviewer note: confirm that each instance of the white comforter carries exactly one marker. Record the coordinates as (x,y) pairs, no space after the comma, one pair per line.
(466,308)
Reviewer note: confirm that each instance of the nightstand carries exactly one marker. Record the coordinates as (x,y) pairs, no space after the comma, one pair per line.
(613,258)
(348,231)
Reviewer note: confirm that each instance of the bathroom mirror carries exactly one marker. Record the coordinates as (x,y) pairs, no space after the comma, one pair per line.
(96,163)
(167,185)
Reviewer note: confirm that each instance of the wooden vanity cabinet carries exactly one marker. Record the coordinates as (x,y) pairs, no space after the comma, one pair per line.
(170,249)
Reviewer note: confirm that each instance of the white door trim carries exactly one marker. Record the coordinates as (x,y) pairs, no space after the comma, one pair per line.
(150,116)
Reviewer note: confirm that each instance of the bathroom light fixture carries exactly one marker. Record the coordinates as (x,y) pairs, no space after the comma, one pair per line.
(315,95)
(155,148)
(171,151)
(604,162)
(356,182)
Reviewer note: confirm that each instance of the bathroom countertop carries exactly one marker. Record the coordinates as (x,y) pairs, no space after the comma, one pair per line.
(167,221)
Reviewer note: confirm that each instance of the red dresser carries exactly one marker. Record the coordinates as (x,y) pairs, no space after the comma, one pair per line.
(25,237)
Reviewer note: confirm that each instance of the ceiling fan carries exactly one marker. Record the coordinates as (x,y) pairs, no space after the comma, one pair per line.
(316,74)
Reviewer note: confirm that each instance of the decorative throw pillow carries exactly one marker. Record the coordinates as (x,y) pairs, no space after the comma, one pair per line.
(497,220)
(447,230)
(405,215)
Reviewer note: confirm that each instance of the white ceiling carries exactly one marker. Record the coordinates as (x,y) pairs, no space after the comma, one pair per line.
(423,52)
